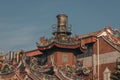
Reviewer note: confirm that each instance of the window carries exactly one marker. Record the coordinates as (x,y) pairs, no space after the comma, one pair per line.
(64,58)
(106,74)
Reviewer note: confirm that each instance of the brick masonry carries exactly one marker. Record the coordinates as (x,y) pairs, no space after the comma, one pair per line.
(107,58)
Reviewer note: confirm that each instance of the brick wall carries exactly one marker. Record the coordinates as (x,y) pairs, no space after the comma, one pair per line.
(105,60)
(104,47)
(59,60)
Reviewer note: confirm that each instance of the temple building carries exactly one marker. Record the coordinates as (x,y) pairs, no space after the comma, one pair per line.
(65,57)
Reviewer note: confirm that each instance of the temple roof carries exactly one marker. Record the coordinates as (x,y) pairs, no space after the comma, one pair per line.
(79,41)
(33,52)
(75,41)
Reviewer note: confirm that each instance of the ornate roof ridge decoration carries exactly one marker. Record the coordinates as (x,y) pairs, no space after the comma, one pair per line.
(111,43)
(59,72)
(97,33)
(67,43)
(111,38)
(34,72)
(63,45)
(11,67)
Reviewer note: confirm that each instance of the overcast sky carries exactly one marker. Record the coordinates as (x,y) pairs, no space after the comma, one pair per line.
(23,22)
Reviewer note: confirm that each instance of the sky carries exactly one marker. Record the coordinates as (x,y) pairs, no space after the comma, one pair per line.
(23,22)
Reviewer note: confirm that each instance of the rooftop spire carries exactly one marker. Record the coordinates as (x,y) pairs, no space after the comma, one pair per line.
(62,20)
(62,31)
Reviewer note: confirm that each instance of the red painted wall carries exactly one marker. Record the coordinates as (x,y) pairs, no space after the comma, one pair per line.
(58,58)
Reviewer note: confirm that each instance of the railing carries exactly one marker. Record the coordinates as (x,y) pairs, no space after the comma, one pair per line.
(55,28)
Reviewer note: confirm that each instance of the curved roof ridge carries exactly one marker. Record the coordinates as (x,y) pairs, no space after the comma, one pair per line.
(114,46)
